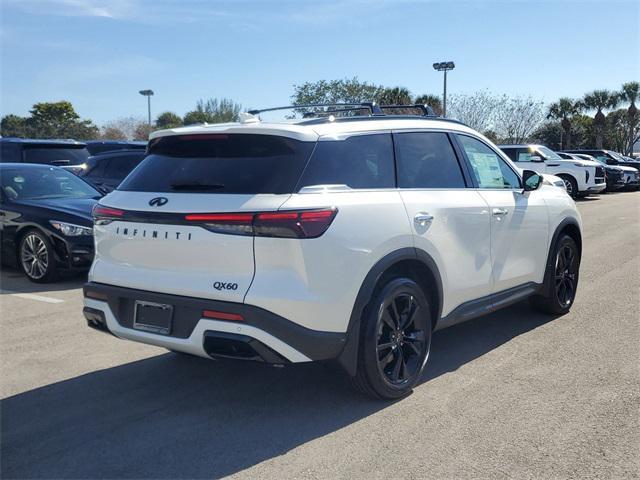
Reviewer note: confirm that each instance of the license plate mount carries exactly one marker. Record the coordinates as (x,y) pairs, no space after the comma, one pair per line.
(153,317)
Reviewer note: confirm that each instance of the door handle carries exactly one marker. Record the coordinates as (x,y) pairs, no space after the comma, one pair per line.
(422,218)
(500,212)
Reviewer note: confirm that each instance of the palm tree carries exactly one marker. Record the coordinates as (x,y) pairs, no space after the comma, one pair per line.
(563,110)
(434,101)
(630,94)
(599,100)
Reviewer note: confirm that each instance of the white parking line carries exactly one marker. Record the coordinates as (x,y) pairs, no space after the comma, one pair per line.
(31,296)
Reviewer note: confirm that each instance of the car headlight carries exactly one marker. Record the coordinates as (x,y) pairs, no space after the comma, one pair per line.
(69,229)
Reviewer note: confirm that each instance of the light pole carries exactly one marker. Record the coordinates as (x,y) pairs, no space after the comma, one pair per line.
(147,93)
(444,67)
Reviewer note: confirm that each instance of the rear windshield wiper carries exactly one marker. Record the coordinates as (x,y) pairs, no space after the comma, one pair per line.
(195,186)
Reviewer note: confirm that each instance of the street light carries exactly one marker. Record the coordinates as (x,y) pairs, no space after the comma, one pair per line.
(147,93)
(444,67)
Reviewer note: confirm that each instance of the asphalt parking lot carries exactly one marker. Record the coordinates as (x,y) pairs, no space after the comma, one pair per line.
(512,395)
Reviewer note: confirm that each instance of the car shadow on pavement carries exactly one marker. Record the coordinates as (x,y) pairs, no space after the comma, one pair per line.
(12,280)
(174,416)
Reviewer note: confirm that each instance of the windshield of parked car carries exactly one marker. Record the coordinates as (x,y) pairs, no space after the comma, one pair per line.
(548,154)
(55,155)
(43,183)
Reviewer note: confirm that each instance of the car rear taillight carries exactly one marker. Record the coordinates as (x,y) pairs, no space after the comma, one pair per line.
(288,224)
(231,317)
(103,215)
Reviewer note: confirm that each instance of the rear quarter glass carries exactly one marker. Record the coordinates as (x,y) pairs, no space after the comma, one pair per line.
(221,164)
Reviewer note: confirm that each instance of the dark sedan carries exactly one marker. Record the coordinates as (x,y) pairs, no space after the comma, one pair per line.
(45,220)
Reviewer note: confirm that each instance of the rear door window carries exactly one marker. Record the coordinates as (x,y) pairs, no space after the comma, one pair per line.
(360,161)
(427,160)
(221,163)
(120,166)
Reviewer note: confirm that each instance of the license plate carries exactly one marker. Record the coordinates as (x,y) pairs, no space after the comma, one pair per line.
(153,317)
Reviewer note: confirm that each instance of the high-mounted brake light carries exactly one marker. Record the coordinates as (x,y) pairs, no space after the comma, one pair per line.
(287,224)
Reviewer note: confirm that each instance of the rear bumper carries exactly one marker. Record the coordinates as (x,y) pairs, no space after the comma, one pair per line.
(262,335)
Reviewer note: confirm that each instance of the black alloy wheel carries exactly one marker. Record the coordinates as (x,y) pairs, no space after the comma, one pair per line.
(566,275)
(395,338)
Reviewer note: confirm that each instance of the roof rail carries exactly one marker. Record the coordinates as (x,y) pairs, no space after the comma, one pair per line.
(373,107)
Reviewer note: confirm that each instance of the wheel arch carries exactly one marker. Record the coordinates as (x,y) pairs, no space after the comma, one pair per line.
(410,262)
(571,227)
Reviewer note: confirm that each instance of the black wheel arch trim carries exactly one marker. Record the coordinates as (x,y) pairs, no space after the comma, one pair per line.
(349,357)
(549,267)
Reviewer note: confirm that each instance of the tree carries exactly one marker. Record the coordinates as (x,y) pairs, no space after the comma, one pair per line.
(131,127)
(168,120)
(142,131)
(630,94)
(549,134)
(433,101)
(59,120)
(112,133)
(213,111)
(563,110)
(394,96)
(515,118)
(335,91)
(14,126)
(599,100)
(475,109)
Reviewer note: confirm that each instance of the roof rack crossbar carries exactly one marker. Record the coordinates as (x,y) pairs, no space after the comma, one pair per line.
(427,111)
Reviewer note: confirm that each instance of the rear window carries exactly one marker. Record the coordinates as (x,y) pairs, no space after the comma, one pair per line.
(221,163)
(361,161)
(54,155)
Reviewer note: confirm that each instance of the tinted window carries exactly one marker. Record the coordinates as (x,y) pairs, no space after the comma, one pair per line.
(9,152)
(120,166)
(427,160)
(525,154)
(221,163)
(489,169)
(361,161)
(511,153)
(49,154)
(41,183)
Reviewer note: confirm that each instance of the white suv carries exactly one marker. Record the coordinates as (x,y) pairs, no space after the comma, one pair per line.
(334,238)
(581,177)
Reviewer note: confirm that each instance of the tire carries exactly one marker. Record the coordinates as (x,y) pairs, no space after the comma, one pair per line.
(395,338)
(570,185)
(561,279)
(36,258)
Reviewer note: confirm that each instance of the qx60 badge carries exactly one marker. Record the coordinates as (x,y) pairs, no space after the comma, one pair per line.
(158,201)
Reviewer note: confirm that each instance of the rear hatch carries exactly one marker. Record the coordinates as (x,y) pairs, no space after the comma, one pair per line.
(181,222)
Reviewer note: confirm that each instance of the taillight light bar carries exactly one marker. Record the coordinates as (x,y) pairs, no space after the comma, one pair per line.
(214,314)
(287,224)
(103,215)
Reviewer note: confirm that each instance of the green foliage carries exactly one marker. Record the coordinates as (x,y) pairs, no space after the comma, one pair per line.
(213,111)
(434,101)
(335,91)
(14,126)
(50,120)
(394,96)
(168,120)
(112,133)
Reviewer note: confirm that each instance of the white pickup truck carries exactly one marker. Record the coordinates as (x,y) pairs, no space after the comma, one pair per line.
(581,177)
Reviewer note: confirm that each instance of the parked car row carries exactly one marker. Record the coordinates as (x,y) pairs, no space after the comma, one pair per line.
(583,172)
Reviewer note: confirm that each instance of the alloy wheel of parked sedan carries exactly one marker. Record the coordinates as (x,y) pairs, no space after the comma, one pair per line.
(401,342)
(36,257)
(565,275)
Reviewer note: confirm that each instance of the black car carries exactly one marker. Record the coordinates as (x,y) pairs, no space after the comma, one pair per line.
(96,147)
(63,153)
(609,156)
(107,170)
(45,220)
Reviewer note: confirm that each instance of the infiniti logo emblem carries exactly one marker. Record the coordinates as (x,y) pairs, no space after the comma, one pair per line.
(158,201)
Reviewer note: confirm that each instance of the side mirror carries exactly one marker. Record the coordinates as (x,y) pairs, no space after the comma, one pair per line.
(536,158)
(531,180)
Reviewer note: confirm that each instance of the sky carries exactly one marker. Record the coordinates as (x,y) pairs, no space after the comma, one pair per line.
(98,54)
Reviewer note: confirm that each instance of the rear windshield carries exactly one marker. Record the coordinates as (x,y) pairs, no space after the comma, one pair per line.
(54,155)
(221,163)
